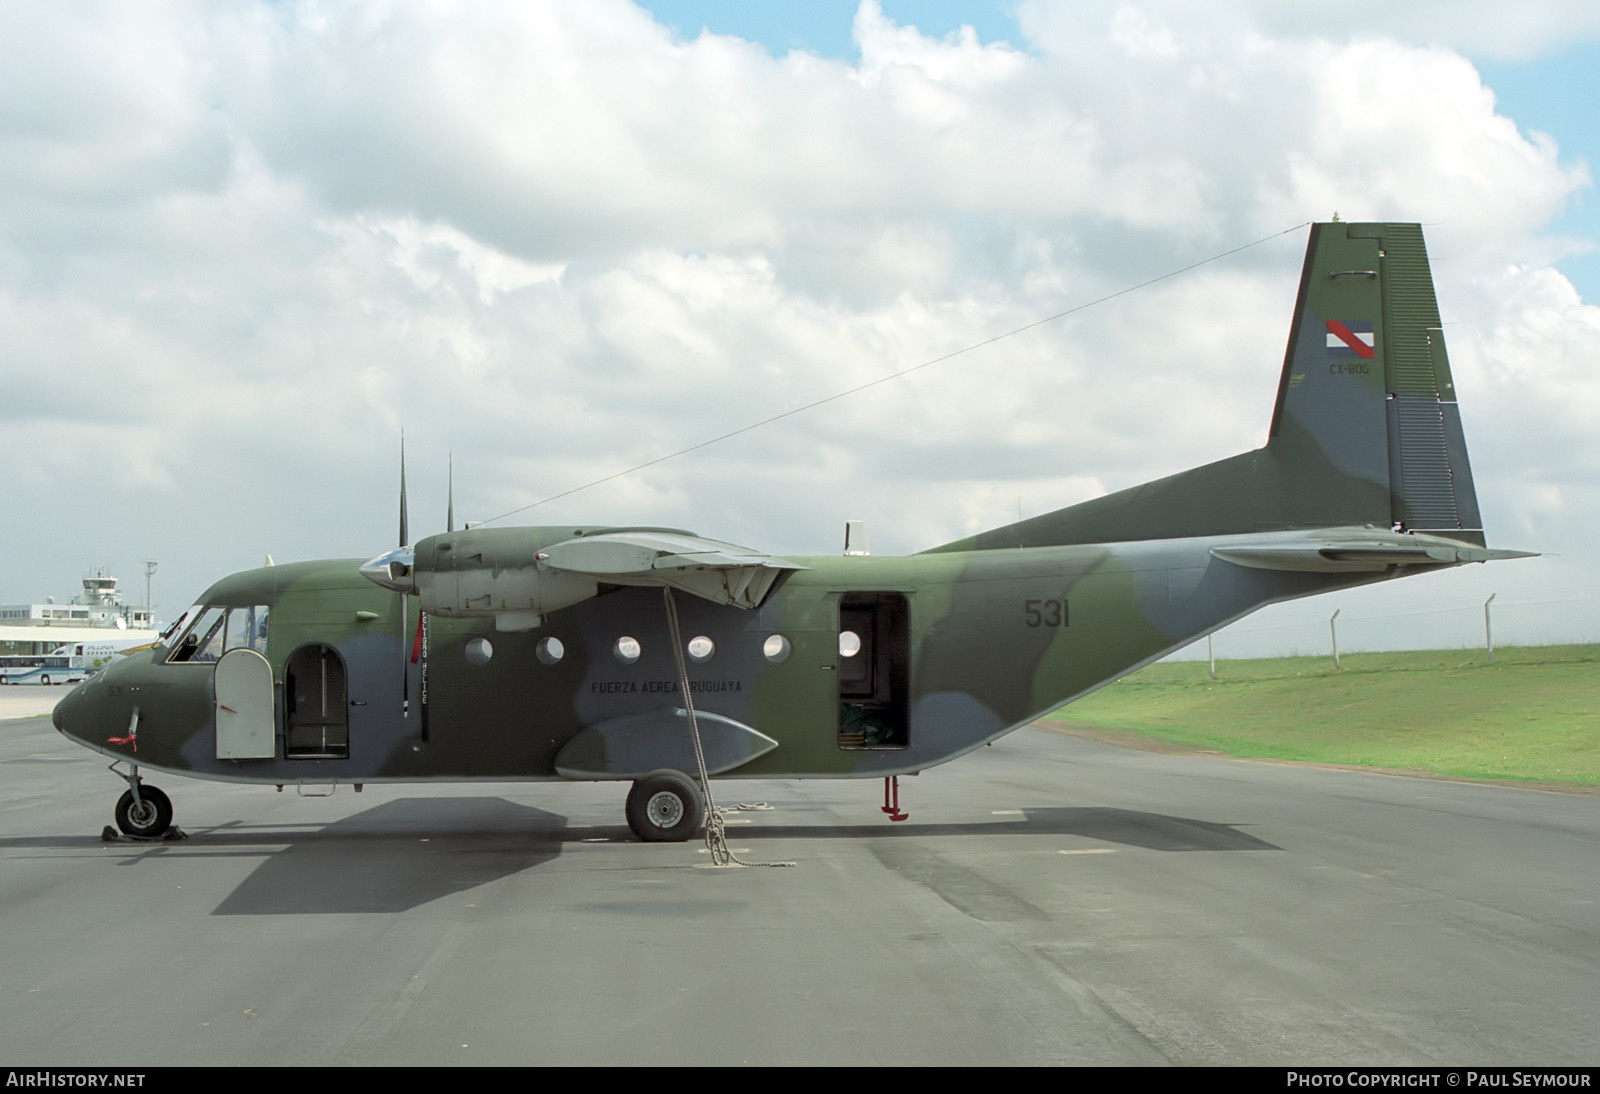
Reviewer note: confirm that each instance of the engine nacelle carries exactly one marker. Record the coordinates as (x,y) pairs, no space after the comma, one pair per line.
(521,575)
(496,572)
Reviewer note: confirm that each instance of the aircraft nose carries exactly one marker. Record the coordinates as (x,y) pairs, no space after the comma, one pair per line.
(73,710)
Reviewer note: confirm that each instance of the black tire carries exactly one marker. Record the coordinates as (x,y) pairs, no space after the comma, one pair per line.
(150,819)
(45,679)
(665,807)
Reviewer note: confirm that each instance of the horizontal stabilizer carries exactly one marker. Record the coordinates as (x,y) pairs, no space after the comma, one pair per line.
(1355,550)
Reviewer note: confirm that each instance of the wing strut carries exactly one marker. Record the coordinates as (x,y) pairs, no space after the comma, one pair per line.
(716,834)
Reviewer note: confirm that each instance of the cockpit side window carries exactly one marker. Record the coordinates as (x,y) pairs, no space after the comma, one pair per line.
(179,627)
(209,647)
(247,627)
(216,630)
(206,631)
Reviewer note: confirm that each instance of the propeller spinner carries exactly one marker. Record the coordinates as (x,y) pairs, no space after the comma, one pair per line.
(392,570)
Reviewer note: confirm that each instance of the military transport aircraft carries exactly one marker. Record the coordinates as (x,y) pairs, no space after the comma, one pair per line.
(552,653)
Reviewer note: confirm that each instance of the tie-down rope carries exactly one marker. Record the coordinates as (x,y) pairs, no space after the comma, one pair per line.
(716,834)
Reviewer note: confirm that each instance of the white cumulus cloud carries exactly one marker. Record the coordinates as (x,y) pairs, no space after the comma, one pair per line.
(242,246)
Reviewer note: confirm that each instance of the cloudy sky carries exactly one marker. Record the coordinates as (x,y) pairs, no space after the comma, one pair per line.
(243,245)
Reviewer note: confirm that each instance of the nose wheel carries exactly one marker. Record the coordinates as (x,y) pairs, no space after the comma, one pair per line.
(142,811)
(149,815)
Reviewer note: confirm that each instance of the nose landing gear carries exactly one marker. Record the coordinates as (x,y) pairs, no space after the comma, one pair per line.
(143,811)
(148,815)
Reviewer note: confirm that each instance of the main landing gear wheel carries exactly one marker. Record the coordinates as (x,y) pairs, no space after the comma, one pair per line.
(665,807)
(149,817)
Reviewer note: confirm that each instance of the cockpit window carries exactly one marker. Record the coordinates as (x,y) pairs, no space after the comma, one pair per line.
(202,636)
(247,627)
(208,637)
(179,627)
(216,630)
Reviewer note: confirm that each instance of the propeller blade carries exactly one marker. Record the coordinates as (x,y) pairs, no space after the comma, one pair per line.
(405,542)
(405,537)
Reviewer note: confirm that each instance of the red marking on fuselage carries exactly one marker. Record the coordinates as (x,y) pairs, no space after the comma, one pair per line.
(1350,338)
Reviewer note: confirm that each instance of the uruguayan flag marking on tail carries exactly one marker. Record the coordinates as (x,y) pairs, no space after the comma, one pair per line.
(1351,338)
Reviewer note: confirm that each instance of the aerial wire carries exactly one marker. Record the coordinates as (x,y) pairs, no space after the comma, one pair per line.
(791,412)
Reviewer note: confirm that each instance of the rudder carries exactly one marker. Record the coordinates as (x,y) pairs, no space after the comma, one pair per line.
(1367,429)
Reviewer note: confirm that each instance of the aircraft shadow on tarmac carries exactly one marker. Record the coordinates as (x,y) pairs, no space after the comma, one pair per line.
(405,853)
(401,854)
(392,857)
(1128,827)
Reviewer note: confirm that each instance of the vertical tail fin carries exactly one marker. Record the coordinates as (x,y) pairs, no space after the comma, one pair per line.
(1366,429)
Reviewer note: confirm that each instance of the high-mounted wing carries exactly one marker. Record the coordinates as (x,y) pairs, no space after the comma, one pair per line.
(719,572)
(520,575)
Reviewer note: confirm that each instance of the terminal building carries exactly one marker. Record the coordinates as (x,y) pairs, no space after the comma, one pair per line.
(99,613)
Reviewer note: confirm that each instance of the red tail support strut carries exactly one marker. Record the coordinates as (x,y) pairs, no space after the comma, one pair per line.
(891,798)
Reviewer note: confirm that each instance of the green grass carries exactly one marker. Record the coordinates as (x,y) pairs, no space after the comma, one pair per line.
(1534,714)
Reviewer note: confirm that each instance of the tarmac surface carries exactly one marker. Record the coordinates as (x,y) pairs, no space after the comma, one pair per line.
(1052,900)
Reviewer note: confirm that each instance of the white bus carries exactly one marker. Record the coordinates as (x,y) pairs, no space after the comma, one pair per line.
(64,664)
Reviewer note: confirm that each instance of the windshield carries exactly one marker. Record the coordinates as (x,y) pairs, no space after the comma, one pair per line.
(211,630)
(178,626)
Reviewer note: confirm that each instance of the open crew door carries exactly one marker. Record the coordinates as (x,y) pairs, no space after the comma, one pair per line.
(246,729)
(874,671)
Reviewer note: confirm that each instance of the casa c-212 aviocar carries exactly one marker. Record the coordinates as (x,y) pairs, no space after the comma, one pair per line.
(554,653)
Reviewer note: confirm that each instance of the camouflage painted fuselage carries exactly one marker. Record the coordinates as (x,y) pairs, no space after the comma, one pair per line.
(996,638)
